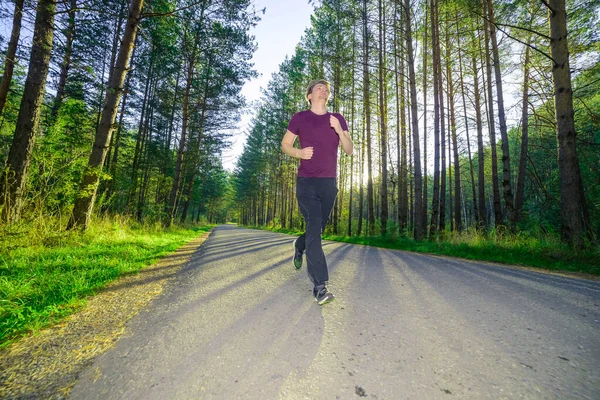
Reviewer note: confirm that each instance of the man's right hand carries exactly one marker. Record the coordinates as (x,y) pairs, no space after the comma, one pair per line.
(306,153)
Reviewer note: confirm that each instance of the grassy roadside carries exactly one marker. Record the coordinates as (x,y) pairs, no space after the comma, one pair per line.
(543,253)
(46,274)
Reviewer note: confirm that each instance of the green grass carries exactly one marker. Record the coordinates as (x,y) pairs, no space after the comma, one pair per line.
(539,252)
(46,272)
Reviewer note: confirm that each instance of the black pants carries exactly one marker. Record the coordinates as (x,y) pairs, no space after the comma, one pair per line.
(316,197)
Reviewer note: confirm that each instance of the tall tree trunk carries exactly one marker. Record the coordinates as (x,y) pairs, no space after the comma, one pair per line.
(66,62)
(424,213)
(383,126)
(464,102)
(336,108)
(361,191)
(84,204)
(506,176)
(171,207)
(457,191)
(13,179)
(571,199)
(480,150)
(520,192)
(433,226)
(403,167)
(194,162)
(11,53)
(139,142)
(367,108)
(491,122)
(352,110)
(117,141)
(442,210)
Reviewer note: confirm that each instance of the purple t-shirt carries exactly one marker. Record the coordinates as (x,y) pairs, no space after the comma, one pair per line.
(314,131)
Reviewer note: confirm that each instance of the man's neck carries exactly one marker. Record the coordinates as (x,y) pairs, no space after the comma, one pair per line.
(319,108)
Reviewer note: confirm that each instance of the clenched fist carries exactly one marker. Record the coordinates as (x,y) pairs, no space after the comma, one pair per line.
(306,153)
(335,124)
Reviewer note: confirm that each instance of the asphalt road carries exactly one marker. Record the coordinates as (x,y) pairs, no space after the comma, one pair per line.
(239,322)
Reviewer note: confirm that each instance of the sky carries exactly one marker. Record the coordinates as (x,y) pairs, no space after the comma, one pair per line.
(277,34)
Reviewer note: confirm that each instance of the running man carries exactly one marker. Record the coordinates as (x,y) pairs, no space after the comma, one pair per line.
(320,133)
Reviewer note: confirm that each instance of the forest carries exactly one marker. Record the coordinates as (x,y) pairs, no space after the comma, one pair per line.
(120,108)
(467,116)
(472,118)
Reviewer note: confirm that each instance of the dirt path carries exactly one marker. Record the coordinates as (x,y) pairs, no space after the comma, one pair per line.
(238,322)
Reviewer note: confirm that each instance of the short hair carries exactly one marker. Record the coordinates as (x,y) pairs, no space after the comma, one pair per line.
(314,83)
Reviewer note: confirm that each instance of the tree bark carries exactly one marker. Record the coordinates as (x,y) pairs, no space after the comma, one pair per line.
(84,204)
(571,199)
(11,53)
(14,177)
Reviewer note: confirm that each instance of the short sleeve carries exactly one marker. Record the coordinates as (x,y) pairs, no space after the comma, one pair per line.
(294,125)
(343,122)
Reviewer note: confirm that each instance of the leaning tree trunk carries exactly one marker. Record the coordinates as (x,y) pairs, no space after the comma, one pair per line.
(14,176)
(11,53)
(571,199)
(84,204)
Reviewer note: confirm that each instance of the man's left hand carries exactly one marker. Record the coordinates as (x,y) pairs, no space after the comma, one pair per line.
(335,124)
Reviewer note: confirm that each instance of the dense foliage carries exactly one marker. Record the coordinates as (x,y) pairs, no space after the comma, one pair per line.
(179,102)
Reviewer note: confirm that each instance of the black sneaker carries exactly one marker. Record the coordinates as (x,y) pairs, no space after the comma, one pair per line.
(297,256)
(324,296)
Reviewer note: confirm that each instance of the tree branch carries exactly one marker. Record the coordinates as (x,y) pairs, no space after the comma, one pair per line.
(547,5)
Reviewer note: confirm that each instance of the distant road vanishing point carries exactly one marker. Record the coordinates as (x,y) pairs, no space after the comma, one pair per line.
(238,322)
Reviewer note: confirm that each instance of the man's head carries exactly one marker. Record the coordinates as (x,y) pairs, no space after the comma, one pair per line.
(318,88)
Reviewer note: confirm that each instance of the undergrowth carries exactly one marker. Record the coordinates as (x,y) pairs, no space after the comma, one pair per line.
(544,251)
(47,272)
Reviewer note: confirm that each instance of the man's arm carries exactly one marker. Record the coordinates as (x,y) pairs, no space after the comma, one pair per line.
(346,141)
(287,146)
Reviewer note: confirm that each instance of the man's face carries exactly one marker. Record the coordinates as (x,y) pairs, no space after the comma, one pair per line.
(319,91)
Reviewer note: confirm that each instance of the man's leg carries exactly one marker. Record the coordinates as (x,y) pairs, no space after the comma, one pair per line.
(328,193)
(300,243)
(310,207)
